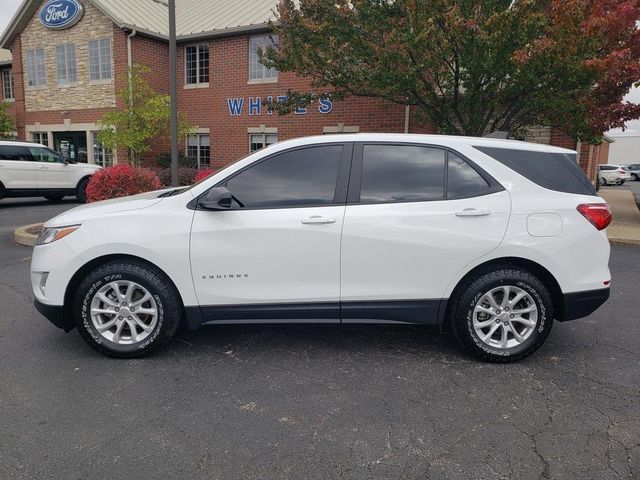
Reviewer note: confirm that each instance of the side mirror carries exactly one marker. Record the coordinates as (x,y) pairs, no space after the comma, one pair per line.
(217,198)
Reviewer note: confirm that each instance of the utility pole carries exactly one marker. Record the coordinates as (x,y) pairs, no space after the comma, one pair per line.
(173,92)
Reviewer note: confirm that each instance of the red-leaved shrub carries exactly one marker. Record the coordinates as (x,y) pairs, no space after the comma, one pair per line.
(120,181)
(204,173)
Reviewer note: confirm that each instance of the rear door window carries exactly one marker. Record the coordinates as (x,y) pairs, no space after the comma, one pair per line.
(463,180)
(555,171)
(14,152)
(400,173)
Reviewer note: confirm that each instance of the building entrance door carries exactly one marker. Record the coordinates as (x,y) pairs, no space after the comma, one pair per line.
(71,145)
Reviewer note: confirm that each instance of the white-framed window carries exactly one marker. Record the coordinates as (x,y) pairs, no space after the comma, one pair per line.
(36,76)
(261,140)
(7,84)
(100,59)
(40,137)
(66,63)
(196,59)
(101,155)
(199,149)
(257,71)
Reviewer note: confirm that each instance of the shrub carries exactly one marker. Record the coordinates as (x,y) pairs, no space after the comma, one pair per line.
(120,181)
(204,173)
(164,160)
(185,176)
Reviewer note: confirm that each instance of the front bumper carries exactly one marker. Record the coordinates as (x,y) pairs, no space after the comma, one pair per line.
(582,304)
(55,314)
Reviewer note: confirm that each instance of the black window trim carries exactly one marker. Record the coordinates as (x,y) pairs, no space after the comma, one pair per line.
(340,192)
(27,152)
(355,184)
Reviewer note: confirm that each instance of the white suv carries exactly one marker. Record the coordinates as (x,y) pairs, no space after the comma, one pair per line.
(32,170)
(467,234)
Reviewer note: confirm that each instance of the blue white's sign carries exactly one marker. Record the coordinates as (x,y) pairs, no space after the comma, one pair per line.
(60,14)
(255,106)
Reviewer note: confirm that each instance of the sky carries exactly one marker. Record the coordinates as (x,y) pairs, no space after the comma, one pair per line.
(9,7)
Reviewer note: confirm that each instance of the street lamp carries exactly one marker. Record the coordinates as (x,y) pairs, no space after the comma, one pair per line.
(173,88)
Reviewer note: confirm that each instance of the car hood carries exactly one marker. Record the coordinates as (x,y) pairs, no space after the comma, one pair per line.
(97,209)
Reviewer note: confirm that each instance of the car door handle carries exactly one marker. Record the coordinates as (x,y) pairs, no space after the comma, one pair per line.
(44,167)
(472,212)
(318,219)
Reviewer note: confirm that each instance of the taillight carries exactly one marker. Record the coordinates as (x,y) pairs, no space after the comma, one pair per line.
(620,170)
(598,214)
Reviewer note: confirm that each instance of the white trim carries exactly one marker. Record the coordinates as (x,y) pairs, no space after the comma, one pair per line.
(262,129)
(189,86)
(341,128)
(257,81)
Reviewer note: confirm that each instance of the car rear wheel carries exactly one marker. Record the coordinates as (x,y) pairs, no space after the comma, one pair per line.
(634,177)
(126,309)
(502,315)
(602,181)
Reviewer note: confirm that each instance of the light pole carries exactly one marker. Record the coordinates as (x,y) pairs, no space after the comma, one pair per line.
(173,91)
(173,88)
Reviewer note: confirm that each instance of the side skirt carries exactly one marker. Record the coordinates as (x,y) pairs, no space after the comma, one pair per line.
(423,312)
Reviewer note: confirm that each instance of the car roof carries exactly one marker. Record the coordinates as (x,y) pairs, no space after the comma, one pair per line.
(451,141)
(19,143)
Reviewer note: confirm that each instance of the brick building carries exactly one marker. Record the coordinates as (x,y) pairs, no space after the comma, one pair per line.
(68,58)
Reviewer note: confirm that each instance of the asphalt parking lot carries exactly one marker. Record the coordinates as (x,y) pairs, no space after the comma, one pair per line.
(307,402)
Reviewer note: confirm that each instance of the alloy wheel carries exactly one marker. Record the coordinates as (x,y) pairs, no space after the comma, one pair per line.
(505,317)
(124,312)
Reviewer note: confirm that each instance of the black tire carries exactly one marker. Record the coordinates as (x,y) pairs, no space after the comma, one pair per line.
(81,191)
(621,182)
(469,294)
(602,182)
(634,177)
(165,296)
(54,198)
(2,192)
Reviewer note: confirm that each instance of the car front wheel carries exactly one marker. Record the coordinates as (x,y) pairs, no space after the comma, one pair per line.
(126,309)
(502,315)
(81,191)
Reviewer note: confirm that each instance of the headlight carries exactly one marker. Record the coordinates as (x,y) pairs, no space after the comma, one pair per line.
(49,235)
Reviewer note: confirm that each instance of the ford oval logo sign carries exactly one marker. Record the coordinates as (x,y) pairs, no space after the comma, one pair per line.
(59,14)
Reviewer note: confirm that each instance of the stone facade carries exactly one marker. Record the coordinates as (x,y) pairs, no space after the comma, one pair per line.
(539,135)
(84,94)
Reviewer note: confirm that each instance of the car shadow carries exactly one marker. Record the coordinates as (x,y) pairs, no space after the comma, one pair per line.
(316,340)
(30,202)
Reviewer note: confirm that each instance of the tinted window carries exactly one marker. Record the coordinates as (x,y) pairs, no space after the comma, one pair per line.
(463,180)
(607,167)
(555,171)
(297,178)
(633,167)
(45,155)
(11,152)
(400,173)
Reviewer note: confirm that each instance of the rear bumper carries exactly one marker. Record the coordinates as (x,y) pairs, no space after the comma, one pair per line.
(582,304)
(55,314)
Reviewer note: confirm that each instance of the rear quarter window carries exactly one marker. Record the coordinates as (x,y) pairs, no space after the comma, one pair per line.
(555,171)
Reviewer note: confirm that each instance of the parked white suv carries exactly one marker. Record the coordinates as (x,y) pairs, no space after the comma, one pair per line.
(467,234)
(613,174)
(32,170)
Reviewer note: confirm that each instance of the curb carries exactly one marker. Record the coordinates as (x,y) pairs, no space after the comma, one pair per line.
(624,241)
(23,237)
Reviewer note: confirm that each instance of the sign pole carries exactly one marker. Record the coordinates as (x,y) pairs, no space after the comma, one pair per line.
(173,87)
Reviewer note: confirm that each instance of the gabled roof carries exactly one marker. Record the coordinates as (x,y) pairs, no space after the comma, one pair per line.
(5,57)
(194,18)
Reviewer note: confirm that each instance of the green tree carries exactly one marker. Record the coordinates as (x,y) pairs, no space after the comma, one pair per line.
(7,126)
(145,116)
(469,67)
